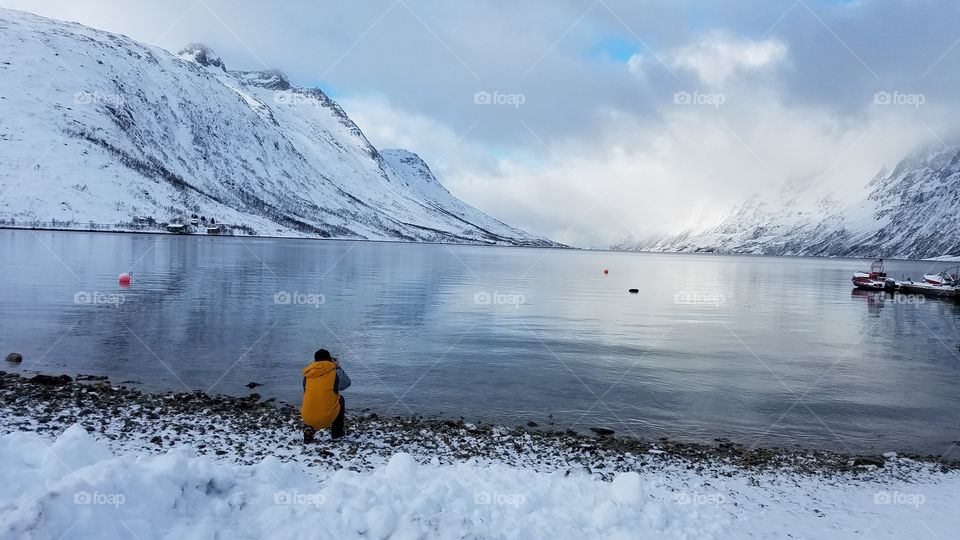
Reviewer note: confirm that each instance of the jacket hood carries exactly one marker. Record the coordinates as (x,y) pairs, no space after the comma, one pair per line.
(318,369)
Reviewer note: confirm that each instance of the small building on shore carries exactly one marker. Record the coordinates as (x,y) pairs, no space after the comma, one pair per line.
(177,228)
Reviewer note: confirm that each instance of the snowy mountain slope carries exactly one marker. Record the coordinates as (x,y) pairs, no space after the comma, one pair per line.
(910,212)
(95,127)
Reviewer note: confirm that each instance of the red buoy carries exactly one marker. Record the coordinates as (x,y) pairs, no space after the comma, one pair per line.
(605,271)
(124,280)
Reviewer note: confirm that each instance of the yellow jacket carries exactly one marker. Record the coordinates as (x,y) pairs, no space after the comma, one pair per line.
(321,402)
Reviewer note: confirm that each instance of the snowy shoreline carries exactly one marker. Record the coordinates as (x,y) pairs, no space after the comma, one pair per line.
(228,426)
(158,465)
(157,232)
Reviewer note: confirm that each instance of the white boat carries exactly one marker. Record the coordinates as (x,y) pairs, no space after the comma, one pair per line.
(947,277)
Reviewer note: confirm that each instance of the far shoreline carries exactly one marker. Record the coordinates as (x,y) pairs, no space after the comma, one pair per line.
(947,259)
(271,237)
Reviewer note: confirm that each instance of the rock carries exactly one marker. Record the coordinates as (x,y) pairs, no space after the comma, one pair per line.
(602,431)
(83,377)
(14,358)
(531,423)
(890,455)
(252,385)
(157,440)
(864,461)
(571,432)
(50,380)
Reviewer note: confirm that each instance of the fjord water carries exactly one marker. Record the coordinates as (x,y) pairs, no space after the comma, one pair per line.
(760,350)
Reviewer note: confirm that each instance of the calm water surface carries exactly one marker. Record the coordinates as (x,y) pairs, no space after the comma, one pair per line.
(763,351)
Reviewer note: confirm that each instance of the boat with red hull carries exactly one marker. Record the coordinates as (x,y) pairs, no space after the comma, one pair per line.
(950,276)
(874,280)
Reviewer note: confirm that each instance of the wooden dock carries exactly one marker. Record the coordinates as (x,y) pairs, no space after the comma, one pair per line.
(926,289)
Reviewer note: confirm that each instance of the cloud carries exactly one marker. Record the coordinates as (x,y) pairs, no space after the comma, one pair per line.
(688,169)
(719,55)
(387,126)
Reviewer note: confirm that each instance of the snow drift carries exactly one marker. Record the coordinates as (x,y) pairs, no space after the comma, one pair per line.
(75,487)
(95,127)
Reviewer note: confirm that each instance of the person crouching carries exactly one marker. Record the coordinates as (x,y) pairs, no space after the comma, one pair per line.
(323,406)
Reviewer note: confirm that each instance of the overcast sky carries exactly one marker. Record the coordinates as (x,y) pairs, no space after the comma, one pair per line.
(588,122)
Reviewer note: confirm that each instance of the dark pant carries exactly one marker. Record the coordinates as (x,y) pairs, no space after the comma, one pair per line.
(338,429)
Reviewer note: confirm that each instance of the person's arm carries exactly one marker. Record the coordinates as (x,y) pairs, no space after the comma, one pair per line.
(343,380)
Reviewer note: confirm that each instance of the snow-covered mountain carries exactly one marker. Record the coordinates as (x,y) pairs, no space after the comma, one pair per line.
(96,127)
(911,212)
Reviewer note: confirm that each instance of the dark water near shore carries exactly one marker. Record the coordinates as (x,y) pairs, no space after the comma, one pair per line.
(763,351)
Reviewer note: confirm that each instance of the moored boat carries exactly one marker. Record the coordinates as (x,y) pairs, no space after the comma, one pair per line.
(950,276)
(874,280)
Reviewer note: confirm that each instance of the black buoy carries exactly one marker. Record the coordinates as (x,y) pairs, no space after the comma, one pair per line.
(14,358)
(634,291)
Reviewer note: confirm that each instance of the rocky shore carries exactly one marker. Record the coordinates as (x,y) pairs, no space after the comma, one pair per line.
(245,430)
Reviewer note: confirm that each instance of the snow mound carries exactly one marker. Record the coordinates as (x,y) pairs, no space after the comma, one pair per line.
(76,486)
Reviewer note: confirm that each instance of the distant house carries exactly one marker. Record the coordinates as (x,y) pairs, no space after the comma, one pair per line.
(213,230)
(177,228)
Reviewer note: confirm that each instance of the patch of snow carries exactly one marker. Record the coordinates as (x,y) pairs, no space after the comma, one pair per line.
(76,486)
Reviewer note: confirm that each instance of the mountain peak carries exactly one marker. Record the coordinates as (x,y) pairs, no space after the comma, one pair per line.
(415,168)
(403,153)
(203,55)
(271,79)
